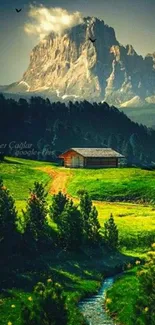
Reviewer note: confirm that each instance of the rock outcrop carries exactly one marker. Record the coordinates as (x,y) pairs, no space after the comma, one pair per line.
(71,67)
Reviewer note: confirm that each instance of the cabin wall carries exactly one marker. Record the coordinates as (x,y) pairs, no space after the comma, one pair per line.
(101,162)
(73,160)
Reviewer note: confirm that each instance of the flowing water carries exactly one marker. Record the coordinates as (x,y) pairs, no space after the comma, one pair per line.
(93,308)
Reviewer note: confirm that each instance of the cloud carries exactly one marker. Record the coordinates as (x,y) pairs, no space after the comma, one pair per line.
(45,20)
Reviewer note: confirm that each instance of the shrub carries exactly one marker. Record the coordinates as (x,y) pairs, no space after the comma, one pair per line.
(47,306)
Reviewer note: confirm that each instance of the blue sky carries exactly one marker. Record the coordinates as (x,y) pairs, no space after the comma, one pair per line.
(133,21)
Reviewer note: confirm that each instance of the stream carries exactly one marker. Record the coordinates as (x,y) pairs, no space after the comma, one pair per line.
(93,308)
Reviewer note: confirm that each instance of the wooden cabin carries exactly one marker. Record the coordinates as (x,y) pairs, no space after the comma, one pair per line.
(91,158)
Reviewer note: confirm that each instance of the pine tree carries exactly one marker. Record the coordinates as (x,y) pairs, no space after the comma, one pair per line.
(112,142)
(94,226)
(57,206)
(35,216)
(70,226)
(89,215)
(8,218)
(136,146)
(128,152)
(110,233)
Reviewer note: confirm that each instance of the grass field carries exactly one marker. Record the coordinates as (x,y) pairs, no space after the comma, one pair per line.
(19,176)
(122,298)
(73,277)
(79,275)
(135,221)
(121,184)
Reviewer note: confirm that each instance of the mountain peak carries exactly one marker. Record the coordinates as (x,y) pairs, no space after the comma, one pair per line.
(70,66)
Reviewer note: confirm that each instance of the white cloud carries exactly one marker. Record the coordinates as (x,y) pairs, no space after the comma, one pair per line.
(45,20)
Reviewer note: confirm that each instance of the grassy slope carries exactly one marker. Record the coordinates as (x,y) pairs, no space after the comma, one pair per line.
(122,184)
(19,176)
(74,281)
(136,222)
(79,275)
(122,298)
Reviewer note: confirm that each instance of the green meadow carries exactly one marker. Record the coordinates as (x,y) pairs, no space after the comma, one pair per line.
(135,221)
(19,176)
(126,193)
(111,184)
(121,299)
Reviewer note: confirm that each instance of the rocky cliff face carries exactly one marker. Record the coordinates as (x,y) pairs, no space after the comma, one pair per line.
(70,66)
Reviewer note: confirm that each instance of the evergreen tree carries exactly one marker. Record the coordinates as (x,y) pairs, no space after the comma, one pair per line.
(120,140)
(89,215)
(136,146)
(8,218)
(58,203)
(35,216)
(110,233)
(94,236)
(142,158)
(128,152)
(70,226)
(112,142)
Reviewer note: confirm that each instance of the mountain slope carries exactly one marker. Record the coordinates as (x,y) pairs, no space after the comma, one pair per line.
(71,67)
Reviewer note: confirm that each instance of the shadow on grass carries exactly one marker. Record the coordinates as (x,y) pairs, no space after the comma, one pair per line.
(70,270)
(13,162)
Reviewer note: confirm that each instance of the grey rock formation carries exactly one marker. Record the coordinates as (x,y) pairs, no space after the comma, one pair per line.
(71,67)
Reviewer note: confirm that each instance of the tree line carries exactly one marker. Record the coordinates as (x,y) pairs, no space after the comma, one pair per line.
(50,128)
(77,226)
(32,234)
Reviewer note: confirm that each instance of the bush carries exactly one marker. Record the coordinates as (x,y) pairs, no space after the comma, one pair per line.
(47,306)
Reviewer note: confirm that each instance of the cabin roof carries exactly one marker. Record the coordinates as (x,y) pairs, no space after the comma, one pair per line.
(96,152)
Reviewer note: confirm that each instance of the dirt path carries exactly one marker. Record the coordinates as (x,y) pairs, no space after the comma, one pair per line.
(59,179)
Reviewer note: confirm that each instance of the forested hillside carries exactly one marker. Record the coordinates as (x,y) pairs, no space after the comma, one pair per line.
(39,129)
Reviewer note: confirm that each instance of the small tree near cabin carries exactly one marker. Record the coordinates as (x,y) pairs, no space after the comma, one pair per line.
(110,233)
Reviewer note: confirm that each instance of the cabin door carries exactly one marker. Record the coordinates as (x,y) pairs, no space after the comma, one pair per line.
(75,161)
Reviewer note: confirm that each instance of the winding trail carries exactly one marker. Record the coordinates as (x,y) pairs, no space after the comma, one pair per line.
(59,179)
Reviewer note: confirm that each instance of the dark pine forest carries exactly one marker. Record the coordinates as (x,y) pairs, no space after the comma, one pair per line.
(50,128)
